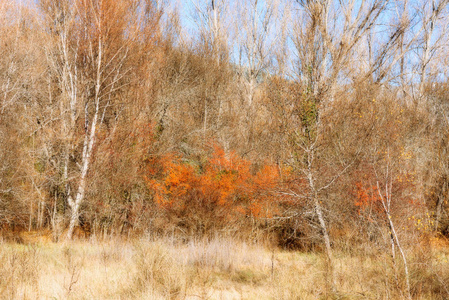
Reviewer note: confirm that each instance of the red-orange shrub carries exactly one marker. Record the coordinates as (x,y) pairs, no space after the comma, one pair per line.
(220,192)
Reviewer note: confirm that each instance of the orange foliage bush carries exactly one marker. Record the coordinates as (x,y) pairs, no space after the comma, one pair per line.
(222,191)
(366,197)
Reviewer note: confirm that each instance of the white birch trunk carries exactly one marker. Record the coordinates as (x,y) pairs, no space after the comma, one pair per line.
(386,203)
(86,159)
(320,214)
(89,141)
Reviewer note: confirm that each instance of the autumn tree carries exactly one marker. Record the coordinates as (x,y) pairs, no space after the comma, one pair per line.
(260,28)
(22,200)
(89,53)
(326,35)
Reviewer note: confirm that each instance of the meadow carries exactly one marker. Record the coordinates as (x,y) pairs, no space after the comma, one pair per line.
(220,268)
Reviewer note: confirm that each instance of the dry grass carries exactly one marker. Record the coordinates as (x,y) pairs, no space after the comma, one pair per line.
(216,269)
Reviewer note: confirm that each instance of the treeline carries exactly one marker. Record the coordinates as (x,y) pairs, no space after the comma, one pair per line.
(320,123)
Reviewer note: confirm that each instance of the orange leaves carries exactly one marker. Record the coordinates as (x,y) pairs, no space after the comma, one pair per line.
(366,196)
(225,181)
(220,162)
(224,176)
(397,196)
(170,179)
(267,177)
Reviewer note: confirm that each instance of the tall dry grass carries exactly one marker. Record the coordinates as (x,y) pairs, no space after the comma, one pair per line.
(220,268)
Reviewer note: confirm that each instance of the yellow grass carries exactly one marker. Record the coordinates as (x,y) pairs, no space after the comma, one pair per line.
(217,269)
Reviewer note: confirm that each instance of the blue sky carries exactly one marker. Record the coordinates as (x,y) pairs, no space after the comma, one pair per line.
(186,11)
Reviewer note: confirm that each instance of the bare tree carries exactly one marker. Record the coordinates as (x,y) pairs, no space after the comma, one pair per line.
(434,24)
(210,16)
(384,189)
(325,36)
(19,79)
(258,36)
(88,57)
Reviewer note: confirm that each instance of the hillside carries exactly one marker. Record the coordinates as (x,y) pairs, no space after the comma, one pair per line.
(314,131)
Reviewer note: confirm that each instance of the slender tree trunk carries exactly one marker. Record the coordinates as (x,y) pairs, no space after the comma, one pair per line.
(320,214)
(404,259)
(89,141)
(87,154)
(327,243)
(386,203)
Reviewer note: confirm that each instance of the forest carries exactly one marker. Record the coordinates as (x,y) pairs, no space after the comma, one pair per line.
(280,147)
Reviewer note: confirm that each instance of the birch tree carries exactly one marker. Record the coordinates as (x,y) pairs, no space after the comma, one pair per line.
(386,197)
(325,37)
(89,60)
(258,31)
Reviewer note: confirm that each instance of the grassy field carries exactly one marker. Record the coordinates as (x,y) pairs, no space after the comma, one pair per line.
(221,268)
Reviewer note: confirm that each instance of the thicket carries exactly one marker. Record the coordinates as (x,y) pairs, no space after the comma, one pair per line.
(311,123)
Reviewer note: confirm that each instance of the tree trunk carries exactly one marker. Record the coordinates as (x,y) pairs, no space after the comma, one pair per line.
(404,259)
(89,141)
(326,238)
